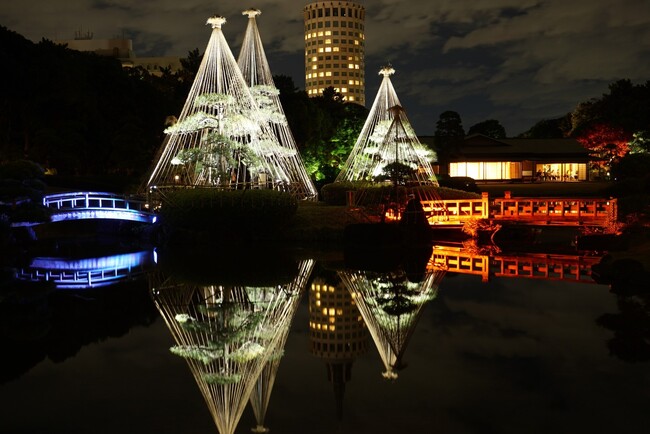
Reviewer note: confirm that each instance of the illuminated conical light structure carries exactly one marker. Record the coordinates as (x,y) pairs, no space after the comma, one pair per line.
(221,138)
(261,393)
(227,334)
(390,304)
(387,137)
(257,73)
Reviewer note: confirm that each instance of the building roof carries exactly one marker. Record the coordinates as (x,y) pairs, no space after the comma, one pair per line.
(482,148)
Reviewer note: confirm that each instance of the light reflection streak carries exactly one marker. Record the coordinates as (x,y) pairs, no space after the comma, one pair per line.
(83,273)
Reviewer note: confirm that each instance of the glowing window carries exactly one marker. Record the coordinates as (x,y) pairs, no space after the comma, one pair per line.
(351,66)
(314,58)
(328,49)
(320,50)
(332,311)
(320,33)
(328,74)
(314,67)
(324,311)
(335,49)
(328,41)
(328,33)
(332,328)
(344,90)
(351,98)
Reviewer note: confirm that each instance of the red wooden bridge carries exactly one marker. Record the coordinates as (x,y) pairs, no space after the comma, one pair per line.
(560,211)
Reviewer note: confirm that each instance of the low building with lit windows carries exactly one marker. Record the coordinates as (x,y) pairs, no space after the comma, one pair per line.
(334,49)
(487,159)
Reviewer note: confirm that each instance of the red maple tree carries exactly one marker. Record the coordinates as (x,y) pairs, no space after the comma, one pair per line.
(606,143)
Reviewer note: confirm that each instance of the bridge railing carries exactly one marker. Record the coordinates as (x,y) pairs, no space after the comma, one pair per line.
(456,211)
(549,210)
(97,205)
(93,200)
(569,211)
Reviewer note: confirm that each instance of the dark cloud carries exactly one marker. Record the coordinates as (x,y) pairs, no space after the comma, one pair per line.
(518,61)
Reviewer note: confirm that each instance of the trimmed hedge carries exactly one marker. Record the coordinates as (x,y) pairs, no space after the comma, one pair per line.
(337,193)
(210,210)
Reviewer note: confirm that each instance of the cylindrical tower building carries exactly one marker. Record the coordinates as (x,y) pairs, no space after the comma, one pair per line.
(334,49)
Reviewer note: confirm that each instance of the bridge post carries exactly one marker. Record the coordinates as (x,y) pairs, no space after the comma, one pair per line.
(485,213)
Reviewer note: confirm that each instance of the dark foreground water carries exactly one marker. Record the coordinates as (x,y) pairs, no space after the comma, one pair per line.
(506,355)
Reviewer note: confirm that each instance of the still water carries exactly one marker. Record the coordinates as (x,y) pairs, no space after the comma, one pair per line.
(449,340)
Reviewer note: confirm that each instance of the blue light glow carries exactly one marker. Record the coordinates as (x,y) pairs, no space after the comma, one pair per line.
(87,272)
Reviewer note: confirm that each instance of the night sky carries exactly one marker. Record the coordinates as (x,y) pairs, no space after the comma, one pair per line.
(517,61)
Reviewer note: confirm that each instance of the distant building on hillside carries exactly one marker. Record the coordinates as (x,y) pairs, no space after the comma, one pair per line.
(121,49)
(335,49)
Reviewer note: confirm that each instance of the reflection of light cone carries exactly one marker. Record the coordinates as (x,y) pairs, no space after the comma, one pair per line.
(257,73)
(261,394)
(390,305)
(227,335)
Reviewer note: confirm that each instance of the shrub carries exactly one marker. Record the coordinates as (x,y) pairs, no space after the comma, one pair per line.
(366,193)
(206,209)
(336,193)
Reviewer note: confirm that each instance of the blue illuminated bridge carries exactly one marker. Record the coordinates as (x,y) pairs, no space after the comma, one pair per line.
(97,205)
(84,273)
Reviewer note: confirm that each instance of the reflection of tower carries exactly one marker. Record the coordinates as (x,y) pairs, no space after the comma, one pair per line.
(337,333)
(334,49)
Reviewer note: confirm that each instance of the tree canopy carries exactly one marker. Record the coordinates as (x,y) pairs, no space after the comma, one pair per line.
(449,130)
(626,106)
(490,128)
(549,128)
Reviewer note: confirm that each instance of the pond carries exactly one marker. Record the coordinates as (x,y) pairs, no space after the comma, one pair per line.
(451,339)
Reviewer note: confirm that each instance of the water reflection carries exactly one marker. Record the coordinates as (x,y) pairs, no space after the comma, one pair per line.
(337,333)
(53,306)
(232,337)
(390,302)
(87,272)
(469,321)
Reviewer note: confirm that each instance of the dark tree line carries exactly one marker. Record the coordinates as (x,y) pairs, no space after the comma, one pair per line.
(85,115)
(77,112)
